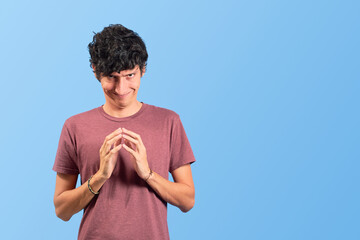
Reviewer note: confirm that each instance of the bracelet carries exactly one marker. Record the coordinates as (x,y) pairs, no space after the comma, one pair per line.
(151,172)
(95,193)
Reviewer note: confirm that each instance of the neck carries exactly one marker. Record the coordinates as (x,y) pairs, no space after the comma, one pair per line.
(121,112)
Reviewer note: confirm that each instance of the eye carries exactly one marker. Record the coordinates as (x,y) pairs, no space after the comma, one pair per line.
(131,75)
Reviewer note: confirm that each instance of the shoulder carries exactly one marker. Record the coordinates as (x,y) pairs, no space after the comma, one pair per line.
(82,118)
(162,113)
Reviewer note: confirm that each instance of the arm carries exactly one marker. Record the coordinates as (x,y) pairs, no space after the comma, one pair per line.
(69,200)
(180,193)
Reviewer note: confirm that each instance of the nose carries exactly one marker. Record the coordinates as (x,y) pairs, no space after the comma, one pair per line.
(121,87)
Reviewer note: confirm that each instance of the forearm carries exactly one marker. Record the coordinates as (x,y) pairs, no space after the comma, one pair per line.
(72,201)
(177,194)
(180,193)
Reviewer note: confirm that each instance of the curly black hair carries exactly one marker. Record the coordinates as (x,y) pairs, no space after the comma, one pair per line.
(116,48)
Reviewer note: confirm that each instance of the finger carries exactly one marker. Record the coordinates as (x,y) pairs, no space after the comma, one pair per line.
(109,137)
(115,149)
(132,134)
(130,144)
(136,142)
(118,142)
(130,150)
(114,133)
(109,143)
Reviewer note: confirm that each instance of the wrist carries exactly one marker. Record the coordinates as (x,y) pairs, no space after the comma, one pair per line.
(100,176)
(90,188)
(150,174)
(96,181)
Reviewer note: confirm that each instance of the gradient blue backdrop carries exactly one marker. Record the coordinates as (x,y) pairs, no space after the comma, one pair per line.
(268,92)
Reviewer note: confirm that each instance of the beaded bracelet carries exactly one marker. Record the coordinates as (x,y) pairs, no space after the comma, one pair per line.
(95,193)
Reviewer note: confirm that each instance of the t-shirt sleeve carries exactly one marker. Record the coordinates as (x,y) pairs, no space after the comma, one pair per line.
(65,160)
(180,149)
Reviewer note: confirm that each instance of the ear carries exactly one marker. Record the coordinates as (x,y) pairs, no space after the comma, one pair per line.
(93,67)
(143,71)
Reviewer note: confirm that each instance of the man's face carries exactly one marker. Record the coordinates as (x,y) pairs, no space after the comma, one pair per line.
(121,89)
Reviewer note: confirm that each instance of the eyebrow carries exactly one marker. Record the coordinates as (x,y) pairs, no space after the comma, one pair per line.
(130,72)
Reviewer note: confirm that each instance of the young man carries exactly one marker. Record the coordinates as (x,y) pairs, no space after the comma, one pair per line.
(123,151)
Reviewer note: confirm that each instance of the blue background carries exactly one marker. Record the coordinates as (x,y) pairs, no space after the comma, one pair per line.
(268,92)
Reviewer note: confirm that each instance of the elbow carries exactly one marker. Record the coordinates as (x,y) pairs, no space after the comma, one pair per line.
(62,215)
(188,206)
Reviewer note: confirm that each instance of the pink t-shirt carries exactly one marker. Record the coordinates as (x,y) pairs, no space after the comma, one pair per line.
(126,208)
